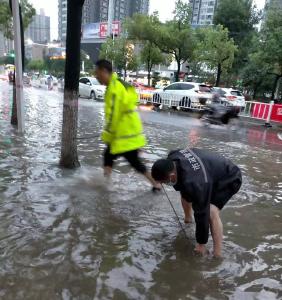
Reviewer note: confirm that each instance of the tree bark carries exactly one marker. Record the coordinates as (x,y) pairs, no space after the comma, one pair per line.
(178,70)
(274,86)
(69,155)
(14,114)
(255,92)
(218,75)
(149,69)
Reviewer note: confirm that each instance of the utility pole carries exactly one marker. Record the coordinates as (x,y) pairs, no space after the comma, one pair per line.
(18,64)
(110,17)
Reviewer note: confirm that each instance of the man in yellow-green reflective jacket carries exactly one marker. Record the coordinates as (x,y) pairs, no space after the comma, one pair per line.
(123,130)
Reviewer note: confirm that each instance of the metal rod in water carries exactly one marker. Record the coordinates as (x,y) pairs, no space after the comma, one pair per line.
(179,222)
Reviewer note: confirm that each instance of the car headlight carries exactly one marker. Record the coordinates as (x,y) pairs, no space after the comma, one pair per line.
(208,102)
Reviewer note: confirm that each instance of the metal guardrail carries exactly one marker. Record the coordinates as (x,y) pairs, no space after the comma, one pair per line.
(170,100)
(252,109)
(258,110)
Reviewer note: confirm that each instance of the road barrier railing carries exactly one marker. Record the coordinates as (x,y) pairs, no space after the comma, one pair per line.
(263,111)
(169,101)
(268,112)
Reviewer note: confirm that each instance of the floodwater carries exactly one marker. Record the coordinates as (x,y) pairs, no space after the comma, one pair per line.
(66,235)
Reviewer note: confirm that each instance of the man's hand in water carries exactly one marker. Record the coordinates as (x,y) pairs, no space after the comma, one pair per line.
(201,249)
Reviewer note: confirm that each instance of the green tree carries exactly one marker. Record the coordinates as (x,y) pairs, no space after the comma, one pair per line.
(121,52)
(151,55)
(6,20)
(36,65)
(271,45)
(216,50)
(174,37)
(240,18)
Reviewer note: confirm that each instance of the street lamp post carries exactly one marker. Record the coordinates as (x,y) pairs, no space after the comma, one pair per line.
(18,64)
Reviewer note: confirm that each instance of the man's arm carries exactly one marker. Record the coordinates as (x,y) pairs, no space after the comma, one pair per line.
(115,111)
(187,208)
(201,207)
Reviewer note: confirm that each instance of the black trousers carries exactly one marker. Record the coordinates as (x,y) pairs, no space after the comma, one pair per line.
(131,156)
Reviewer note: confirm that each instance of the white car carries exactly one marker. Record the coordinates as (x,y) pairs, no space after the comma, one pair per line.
(185,95)
(90,88)
(231,97)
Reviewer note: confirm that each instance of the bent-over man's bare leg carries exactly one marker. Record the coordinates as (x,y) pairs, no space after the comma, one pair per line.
(216,230)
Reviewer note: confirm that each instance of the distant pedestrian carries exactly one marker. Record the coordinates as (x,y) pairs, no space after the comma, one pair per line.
(50,82)
(206,182)
(123,130)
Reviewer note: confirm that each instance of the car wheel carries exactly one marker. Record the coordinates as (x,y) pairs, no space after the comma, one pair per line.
(92,95)
(185,103)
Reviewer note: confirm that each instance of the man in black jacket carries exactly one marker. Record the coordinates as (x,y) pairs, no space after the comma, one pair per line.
(206,182)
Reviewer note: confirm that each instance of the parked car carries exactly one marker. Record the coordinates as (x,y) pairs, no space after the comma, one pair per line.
(230,97)
(186,95)
(90,88)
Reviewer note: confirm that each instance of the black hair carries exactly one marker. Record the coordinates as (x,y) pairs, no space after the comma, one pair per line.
(104,64)
(162,168)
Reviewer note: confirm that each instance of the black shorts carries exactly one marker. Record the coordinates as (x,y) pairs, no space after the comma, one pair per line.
(223,192)
(131,156)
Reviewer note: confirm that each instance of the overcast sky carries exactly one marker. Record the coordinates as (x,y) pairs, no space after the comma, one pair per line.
(165,8)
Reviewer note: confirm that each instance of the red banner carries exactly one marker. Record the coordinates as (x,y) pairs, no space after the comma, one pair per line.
(276,114)
(116,29)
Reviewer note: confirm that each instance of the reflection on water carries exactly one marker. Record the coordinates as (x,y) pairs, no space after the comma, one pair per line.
(68,235)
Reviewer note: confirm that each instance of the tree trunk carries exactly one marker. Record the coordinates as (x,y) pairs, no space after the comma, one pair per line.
(255,92)
(276,80)
(218,75)
(178,70)
(276,95)
(69,156)
(149,69)
(14,114)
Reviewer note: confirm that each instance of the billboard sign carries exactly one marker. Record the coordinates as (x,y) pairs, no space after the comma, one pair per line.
(99,30)
(91,31)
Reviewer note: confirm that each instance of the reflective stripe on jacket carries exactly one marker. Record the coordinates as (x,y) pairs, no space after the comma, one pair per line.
(123,129)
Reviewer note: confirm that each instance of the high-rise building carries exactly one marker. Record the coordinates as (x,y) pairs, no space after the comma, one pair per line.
(95,11)
(203,12)
(6,45)
(62,17)
(39,29)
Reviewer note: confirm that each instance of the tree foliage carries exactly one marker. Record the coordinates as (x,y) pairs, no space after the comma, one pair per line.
(6,20)
(216,49)
(36,65)
(271,43)
(151,55)
(174,37)
(240,18)
(121,52)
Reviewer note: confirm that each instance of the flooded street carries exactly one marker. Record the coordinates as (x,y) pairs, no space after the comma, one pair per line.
(66,235)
